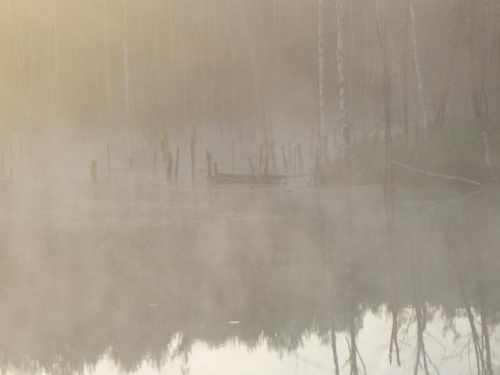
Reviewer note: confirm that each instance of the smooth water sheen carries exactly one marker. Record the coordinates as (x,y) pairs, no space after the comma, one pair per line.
(135,276)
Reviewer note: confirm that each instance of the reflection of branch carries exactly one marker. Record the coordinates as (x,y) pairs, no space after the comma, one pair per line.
(428,334)
(354,349)
(308,362)
(470,315)
(394,337)
(421,316)
(421,351)
(350,352)
(361,359)
(334,350)
(407,330)
(432,364)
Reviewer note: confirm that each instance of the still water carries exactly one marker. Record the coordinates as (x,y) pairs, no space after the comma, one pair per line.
(135,276)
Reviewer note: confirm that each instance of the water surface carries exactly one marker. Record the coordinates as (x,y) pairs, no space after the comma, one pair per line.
(137,276)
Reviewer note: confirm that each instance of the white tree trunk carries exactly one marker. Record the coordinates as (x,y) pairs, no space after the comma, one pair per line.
(323,134)
(125,60)
(106,57)
(171,76)
(31,64)
(127,77)
(24,80)
(418,72)
(56,53)
(341,81)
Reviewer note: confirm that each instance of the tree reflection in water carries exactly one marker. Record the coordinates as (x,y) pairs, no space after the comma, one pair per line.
(150,282)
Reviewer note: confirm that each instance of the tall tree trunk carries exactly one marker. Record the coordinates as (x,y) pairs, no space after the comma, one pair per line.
(106,57)
(443,99)
(386,88)
(323,134)
(255,76)
(406,37)
(479,115)
(126,70)
(418,71)
(345,139)
(56,54)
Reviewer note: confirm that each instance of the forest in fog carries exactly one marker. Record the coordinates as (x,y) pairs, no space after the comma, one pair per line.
(186,179)
(154,64)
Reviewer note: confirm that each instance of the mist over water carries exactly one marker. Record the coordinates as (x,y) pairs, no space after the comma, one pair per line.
(177,274)
(249,187)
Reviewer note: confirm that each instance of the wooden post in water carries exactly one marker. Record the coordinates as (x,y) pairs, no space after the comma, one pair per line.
(233,159)
(273,156)
(300,160)
(169,166)
(191,147)
(176,171)
(252,168)
(209,164)
(93,170)
(109,159)
(261,157)
(285,164)
(266,157)
(318,170)
(163,145)
(295,158)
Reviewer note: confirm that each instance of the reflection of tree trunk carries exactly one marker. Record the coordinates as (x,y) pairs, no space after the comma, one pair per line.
(484,325)
(486,337)
(329,276)
(351,298)
(353,347)
(468,309)
(394,293)
(334,349)
(420,313)
(477,252)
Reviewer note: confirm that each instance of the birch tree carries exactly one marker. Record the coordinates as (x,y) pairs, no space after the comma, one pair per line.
(406,43)
(323,137)
(345,128)
(126,70)
(56,54)
(443,98)
(106,56)
(386,88)
(416,65)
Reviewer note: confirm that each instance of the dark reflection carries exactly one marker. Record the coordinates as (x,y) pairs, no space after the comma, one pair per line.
(147,281)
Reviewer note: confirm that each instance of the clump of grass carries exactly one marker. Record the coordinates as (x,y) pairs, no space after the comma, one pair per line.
(456,149)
